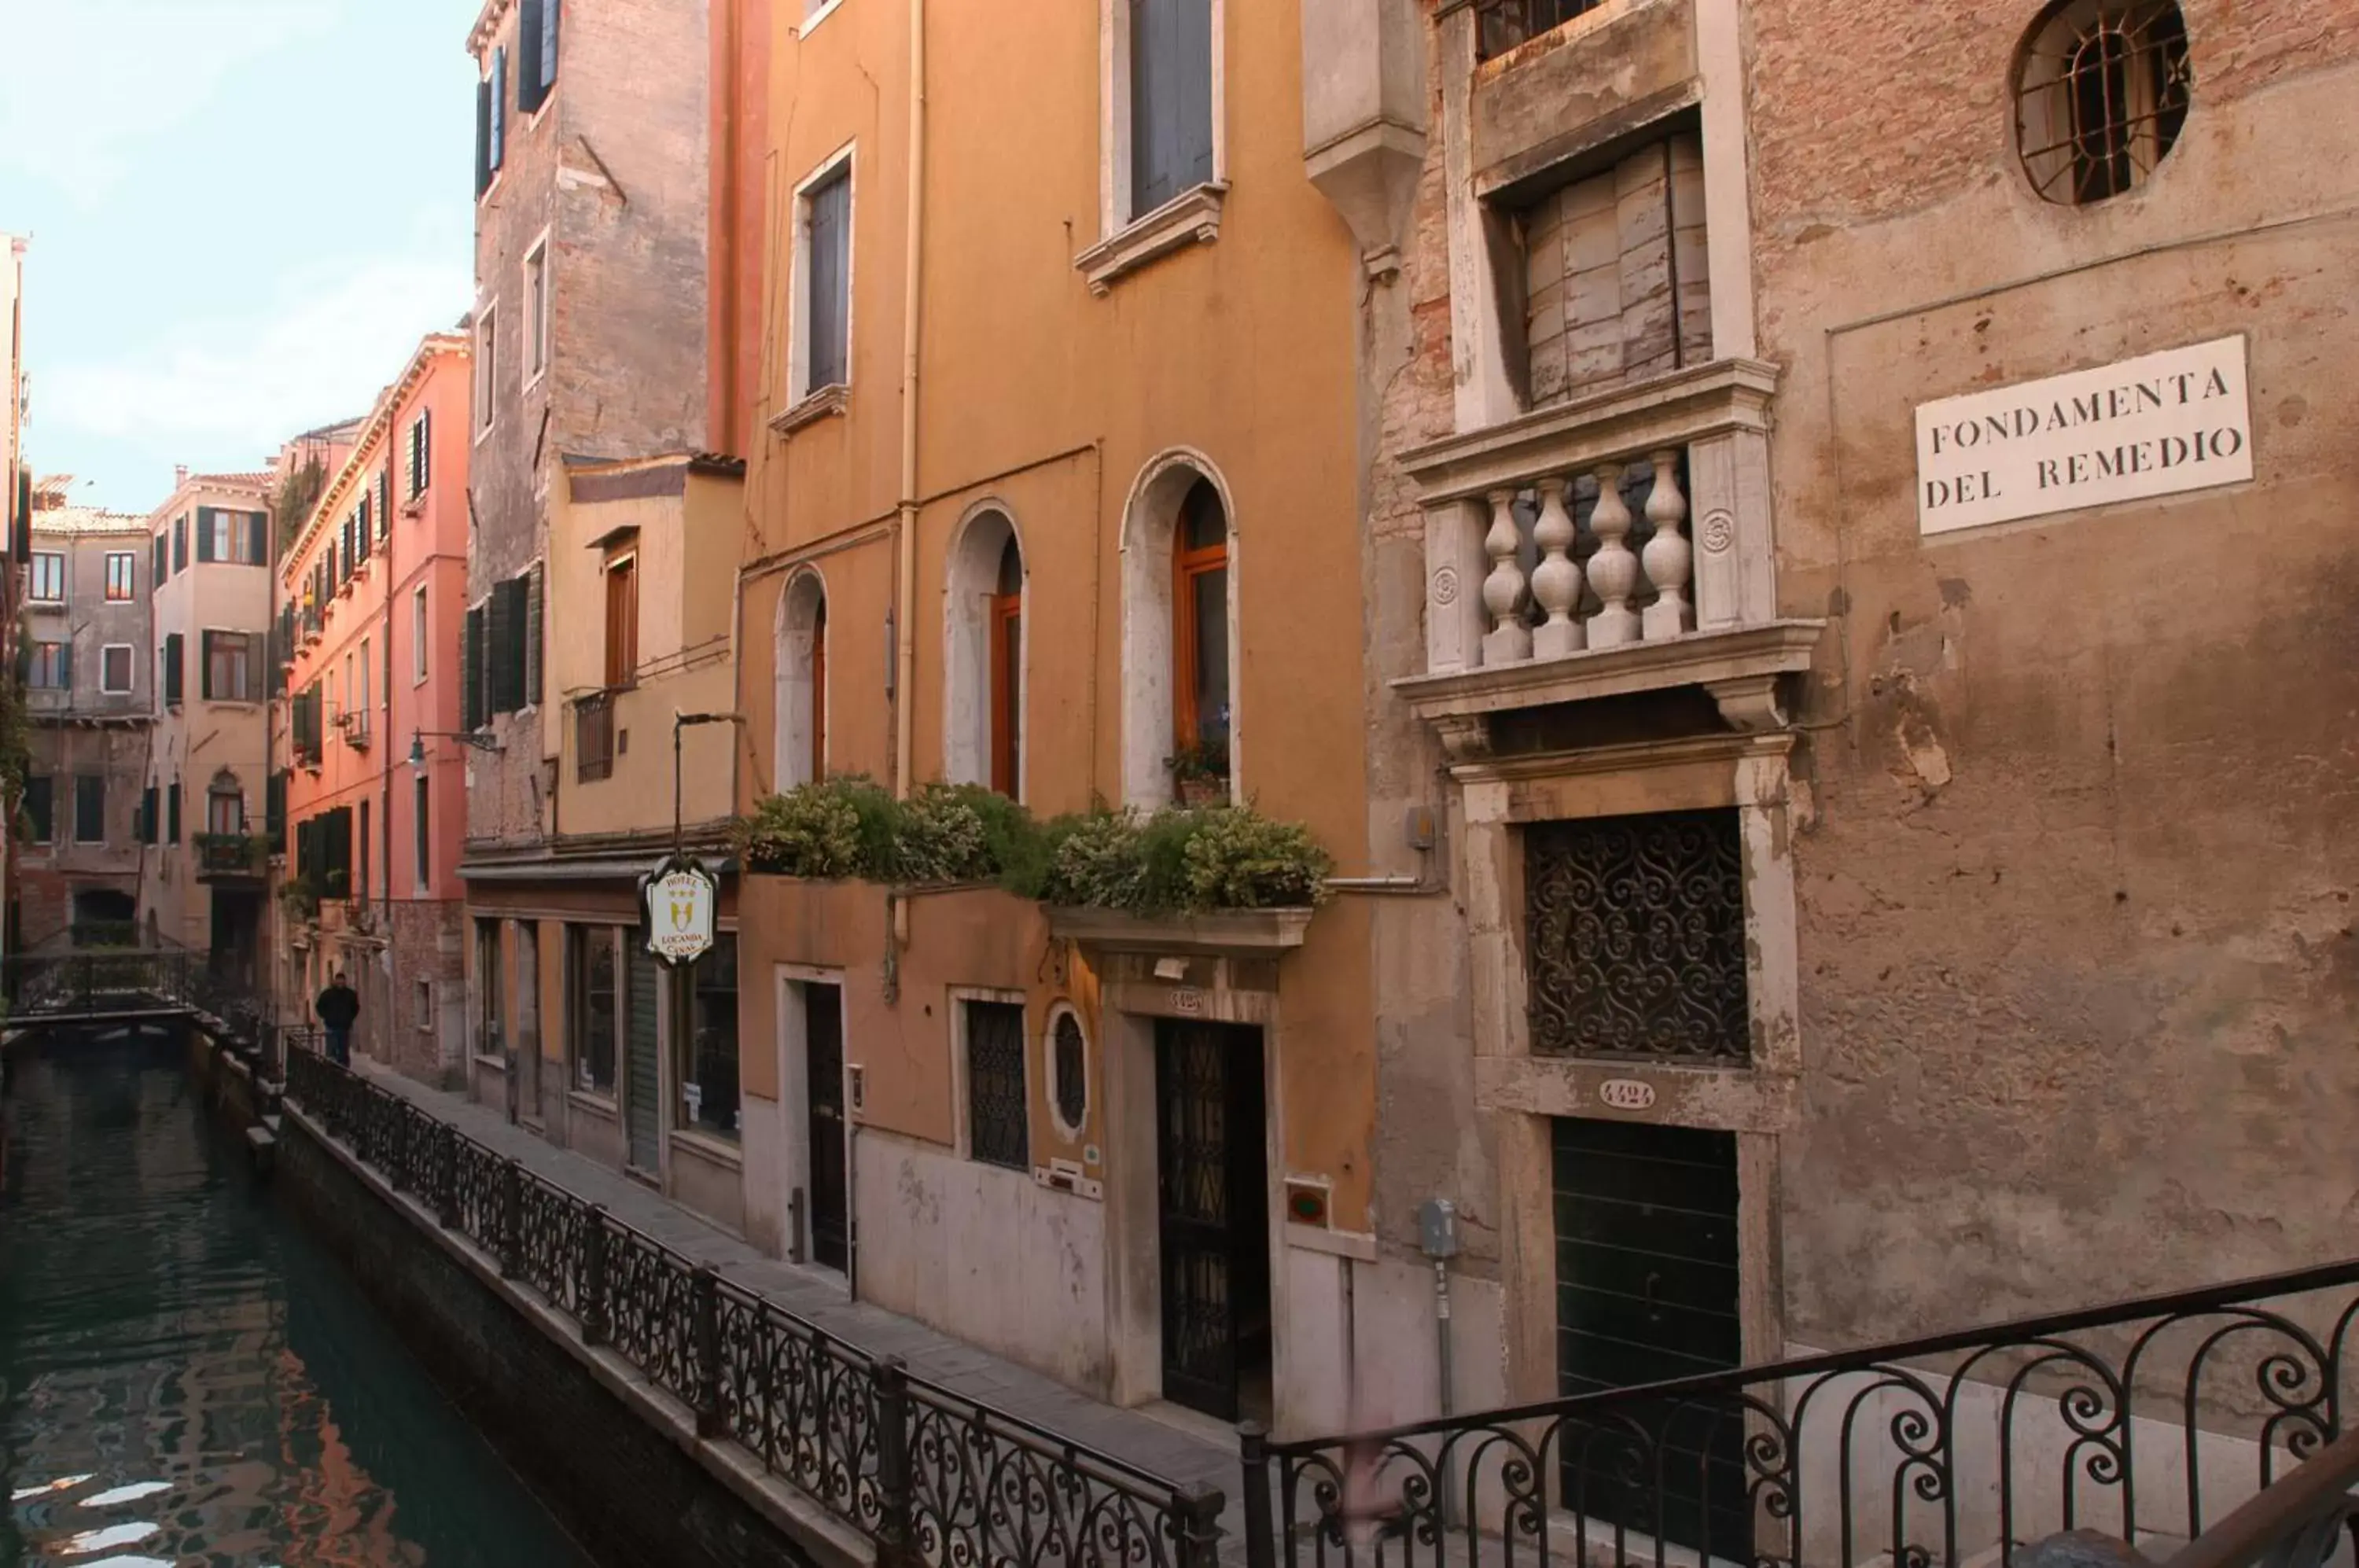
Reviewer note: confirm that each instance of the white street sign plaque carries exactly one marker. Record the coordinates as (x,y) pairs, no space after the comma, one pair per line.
(681,899)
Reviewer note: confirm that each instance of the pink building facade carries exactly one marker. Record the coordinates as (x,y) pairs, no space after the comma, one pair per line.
(372,594)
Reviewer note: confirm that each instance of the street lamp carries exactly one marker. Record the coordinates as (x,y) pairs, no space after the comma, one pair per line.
(465,737)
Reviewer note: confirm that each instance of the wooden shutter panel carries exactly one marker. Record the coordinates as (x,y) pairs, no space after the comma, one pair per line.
(549,10)
(172,678)
(65,664)
(1170,99)
(529,89)
(830,215)
(507,634)
(180,542)
(204,534)
(1192,99)
(258,538)
(425,448)
(499,106)
(172,813)
(205,665)
(385,501)
(532,630)
(471,661)
(482,136)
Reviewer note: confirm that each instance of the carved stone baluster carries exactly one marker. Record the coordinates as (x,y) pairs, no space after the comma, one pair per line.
(1614,569)
(1556,580)
(1510,639)
(1667,556)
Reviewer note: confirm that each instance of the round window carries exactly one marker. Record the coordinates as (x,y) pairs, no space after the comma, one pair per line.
(2100,94)
(1069,1070)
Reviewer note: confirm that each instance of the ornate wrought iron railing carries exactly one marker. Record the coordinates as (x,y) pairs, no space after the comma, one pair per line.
(2147,1420)
(930,1477)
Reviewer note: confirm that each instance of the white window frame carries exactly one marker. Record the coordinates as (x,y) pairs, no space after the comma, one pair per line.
(536,311)
(420,634)
(962,1113)
(131,676)
(798,388)
(1126,239)
(487,367)
(107,583)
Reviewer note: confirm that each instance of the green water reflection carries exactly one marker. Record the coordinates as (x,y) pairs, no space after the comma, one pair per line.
(185,1379)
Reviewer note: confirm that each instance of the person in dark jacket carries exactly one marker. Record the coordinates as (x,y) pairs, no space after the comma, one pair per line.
(338,1005)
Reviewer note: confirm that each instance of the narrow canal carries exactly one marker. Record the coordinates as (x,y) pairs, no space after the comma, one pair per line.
(185,1379)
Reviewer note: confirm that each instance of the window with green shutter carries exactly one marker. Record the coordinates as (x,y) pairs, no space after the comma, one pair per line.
(507,634)
(146,824)
(204,535)
(274,810)
(39,795)
(173,649)
(471,661)
(180,542)
(532,628)
(172,813)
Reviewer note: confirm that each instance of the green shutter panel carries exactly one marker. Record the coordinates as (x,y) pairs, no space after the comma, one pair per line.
(205,666)
(204,534)
(505,633)
(65,664)
(529,94)
(471,661)
(482,136)
(172,683)
(532,635)
(180,542)
(385,502)
(425,449)
(274,810)
(499,106)
(258,538)
(172,812)
(549,10)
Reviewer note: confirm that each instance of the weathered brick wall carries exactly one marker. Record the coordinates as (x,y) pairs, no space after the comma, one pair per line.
(2078,824)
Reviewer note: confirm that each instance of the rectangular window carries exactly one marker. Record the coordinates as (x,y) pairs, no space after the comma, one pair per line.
(45,583)
(274,810)
(593,1017)
(506,630)
(536,311)
(361,881)
(115,669)
(361,704)
(536,50)
(223,535)
(229,667)
(89,808)
(172,813)
(417,635)
(52,667)
(622,621)
(488,342)
(173,678)
(426,1020)
(180,542)
(122,575)
(423,789)
(706,1069)
(997,1128)
(163,563)
(1170,99)
(149,801)
(470,658)
(419,469)
(224,811)
(39,797)
(826,314)
(491,991)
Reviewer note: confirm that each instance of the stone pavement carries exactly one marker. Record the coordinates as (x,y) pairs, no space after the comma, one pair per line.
(818,1296)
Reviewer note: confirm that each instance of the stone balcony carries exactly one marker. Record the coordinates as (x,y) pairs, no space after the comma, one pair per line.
(1619,542)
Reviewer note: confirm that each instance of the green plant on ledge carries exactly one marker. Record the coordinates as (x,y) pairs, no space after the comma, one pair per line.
(301,897)
(1173,861)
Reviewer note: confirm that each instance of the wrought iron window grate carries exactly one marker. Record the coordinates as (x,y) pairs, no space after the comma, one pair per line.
(1635,931)
(996,1127)
(1501,24)
(2100,94)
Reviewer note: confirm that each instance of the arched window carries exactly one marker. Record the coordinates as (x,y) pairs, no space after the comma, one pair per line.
(1069,1081)
(801,681)
(1179,637)
(983,740)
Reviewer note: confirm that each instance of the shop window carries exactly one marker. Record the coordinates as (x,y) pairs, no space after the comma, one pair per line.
(706,1068)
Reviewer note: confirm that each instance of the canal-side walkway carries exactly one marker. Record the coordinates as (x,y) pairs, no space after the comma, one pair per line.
(819,1296)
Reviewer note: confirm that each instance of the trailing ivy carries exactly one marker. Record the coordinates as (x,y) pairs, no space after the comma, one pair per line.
(1170,861)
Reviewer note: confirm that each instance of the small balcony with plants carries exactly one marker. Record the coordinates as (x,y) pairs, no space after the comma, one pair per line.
(232,858)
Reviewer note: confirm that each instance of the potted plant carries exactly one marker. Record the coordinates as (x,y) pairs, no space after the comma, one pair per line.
(1200,772)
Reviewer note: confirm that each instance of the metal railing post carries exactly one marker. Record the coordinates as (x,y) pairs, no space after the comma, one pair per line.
(704,1305)
(511,1219)
(1196,1518)
(446,1176)
(591,1290)
(1253,1449)
(895,1496)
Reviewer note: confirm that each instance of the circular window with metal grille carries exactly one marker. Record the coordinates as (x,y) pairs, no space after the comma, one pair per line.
(2100,94)
(1068,1072)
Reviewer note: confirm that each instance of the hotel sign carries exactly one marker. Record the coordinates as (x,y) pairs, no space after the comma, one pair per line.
(681,898)
(2157,425)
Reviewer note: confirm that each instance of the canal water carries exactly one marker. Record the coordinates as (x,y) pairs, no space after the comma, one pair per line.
(185,1378)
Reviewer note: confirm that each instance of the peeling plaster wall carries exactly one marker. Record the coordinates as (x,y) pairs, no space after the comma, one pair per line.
(2075,852)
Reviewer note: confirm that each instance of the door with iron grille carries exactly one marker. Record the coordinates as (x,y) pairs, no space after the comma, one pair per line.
(1646,1287)
(831,1230)
(642,1068)
(1214,1216)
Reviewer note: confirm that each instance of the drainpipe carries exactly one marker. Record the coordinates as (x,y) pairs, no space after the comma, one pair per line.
(906,592)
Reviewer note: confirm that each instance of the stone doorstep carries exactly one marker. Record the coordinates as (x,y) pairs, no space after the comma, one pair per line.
(1015,1390)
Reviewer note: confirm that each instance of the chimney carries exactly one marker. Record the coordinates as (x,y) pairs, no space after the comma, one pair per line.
(180,474)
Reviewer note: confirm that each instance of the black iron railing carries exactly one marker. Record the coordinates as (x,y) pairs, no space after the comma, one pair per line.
(593,736)
(231,853)
(929,1475)
(2292,1523)
(2144,1419)
(1501,24)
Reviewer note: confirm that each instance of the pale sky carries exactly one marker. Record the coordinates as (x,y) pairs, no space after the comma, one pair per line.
(243,214)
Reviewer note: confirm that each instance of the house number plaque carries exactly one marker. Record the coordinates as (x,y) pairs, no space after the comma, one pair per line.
(1187,1000)
(1627,1094)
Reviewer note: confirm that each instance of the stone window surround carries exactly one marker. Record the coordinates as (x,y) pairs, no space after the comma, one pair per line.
(536,292)
(1128,241)
(1148,519)
(1519,1093)
(487,365)
(962,1113)
(970,577)
(806,403)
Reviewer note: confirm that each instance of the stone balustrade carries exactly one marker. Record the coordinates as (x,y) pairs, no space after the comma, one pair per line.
(1591,585)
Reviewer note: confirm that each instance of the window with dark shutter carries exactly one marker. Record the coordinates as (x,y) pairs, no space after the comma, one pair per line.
(39,799)
(89,808)
(532,637)
(172,813)
(528,85)
(471,662)
(506,632)
(499,107)
(550,10)
(258,538)
(385,501)
(483,137)
(1170,99)
(172,662)
(180,542)
(147,824)
(163,558)
(274,810)
(829,275)
(204,534)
